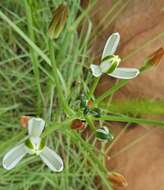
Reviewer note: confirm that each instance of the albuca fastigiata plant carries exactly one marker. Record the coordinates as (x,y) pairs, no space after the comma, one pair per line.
(34,144)
(58,79)
(110,61)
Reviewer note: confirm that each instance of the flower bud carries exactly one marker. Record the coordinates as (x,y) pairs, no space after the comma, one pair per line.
(103,133)
(90,104)
(153,59)
(77,124)
(58,21)
(24,121)
(117,179)
(89,107)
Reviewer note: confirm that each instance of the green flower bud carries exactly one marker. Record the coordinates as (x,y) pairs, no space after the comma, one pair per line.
(103,133)
(58,21)
(83,101)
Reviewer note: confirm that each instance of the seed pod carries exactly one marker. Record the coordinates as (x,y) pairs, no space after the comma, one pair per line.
(117,179)
(103,133)
(58,21)
(77,124)
(24,121)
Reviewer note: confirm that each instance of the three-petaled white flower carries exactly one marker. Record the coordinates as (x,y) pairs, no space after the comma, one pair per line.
(33,144)
(110,62)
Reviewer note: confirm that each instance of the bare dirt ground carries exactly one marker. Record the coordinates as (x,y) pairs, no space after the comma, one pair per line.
(143,163)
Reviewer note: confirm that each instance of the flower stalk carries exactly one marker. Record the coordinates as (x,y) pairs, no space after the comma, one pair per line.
(61,97)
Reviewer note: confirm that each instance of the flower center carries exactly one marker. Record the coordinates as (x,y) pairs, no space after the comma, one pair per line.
(35,145)
(110,63)
(115,58)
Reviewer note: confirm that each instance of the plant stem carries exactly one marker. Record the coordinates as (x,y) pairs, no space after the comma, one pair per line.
(112,90)
(90,123)
(34,58)
(61,97)
(132,120)
(93,88)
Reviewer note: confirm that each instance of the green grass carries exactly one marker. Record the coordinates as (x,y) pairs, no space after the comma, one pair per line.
(45,78)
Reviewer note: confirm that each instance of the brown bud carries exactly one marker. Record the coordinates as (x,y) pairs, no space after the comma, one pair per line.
(153,59)
(117,179)
(90,104)
(156,56)
(58,21)
(24,121)
(77,124)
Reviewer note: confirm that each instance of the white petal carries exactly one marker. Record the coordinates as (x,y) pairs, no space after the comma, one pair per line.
(52,160)
(111,44)
(96,70)
(124,73)
(12,157)
(35,126)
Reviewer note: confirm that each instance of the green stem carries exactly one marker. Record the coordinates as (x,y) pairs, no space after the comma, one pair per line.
(117,86)
(90,123)
(93,88)
(132,120)
(93,159)
(51,102)
(112,90)
(145,44)
(61,98)
(34,58)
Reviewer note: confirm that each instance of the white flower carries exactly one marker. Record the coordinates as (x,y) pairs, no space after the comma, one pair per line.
(33,145)
(110,62)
